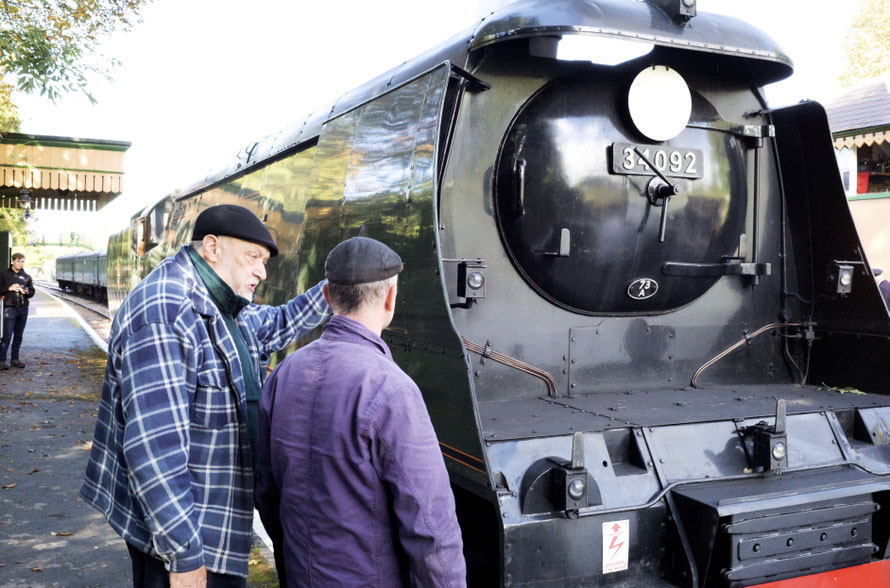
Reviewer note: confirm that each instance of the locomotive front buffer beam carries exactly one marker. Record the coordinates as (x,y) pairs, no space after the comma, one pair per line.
(725,504)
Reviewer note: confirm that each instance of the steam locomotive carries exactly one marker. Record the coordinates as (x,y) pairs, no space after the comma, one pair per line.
(633,297)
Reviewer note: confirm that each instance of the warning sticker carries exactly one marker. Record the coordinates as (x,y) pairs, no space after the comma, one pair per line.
(616,537)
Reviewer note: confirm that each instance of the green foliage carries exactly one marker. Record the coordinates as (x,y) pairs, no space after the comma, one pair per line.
(40,260)
(844,390)
(13,223)
(261,573)
(50,45)
(866,49)
(9,114)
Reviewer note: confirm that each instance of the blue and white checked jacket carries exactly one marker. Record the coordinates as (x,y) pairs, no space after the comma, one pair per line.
(170,464)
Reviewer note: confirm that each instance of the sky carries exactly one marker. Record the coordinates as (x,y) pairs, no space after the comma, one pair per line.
(200,79)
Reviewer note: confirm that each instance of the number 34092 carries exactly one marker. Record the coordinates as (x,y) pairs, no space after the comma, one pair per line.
(676,162)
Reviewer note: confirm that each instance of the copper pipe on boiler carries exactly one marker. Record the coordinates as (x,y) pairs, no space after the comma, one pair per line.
(738,344)
(486,351)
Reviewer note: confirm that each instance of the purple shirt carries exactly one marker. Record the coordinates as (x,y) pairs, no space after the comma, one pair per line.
(350,465)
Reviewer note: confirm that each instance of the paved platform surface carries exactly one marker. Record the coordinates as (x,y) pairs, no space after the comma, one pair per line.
(48,536)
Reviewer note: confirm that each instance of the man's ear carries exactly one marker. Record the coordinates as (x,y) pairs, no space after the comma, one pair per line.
(389,303)
(326,292)
(210,248)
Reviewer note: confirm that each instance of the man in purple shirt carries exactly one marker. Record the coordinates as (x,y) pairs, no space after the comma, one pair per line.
(350,470)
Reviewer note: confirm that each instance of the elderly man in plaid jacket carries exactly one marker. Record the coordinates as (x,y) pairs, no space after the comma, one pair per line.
(172,461)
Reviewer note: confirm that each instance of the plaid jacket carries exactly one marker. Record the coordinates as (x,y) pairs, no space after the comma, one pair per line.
(170,464)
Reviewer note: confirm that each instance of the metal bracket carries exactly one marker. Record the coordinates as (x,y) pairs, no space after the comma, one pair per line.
(750,132)
(577,451)
(712,270)
(474,84)
(565,244)
(754,131)
(679,11)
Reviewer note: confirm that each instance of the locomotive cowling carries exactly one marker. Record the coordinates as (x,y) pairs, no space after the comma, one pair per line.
(559,296)
(564,236)
(134,251)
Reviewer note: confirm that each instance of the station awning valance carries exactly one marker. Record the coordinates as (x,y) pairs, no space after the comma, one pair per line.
(869,139)
(60,173)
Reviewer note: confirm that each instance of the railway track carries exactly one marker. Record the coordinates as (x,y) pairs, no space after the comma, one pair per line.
(94,315)
(68,297)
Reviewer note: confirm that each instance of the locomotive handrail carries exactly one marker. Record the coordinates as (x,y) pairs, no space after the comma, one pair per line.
(514,363)
(736,345)
(729,267)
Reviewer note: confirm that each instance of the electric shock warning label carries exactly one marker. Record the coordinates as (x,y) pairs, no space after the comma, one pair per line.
(616,537)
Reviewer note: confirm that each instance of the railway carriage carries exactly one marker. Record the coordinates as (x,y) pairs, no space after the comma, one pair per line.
(84,274)
(633,297)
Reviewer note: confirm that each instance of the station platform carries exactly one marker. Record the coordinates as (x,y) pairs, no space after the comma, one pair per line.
(48,536)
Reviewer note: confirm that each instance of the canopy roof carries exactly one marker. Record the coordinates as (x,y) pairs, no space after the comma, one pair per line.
(60,173)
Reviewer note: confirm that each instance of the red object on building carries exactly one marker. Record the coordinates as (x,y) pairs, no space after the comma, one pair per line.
(862,182)
(872,575)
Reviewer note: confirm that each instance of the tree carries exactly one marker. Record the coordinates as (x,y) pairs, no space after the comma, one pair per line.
(9,118)
(12,222)
(49,46)
(866,49)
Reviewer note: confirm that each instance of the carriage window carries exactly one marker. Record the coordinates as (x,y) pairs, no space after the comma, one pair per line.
(139,235)
(159,217)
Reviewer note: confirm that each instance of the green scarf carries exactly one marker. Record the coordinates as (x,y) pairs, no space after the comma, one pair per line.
(229,305)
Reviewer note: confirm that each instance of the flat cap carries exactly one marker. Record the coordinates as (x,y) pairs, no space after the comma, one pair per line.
(230,220)
(360,261)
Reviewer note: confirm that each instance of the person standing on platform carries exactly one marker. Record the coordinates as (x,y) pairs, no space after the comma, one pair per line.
(350,469)
(16,289)
(172,462)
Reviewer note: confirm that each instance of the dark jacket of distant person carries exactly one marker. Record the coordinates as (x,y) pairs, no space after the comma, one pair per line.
(14,299)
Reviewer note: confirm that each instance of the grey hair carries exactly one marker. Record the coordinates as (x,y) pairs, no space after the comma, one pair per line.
(347,299)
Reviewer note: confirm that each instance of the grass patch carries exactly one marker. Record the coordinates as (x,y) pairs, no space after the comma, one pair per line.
(261,572)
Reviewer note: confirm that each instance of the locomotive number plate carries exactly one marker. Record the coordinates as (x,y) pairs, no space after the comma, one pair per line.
(671,161)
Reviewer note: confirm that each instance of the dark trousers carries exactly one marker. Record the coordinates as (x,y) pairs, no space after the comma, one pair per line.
(149,572)
(14,319)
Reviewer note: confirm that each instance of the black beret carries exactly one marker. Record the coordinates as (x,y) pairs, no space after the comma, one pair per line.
(360,261)
(229,220)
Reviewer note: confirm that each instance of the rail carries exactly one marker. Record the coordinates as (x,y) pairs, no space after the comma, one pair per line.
(68,297)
